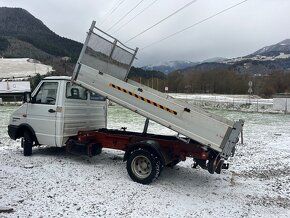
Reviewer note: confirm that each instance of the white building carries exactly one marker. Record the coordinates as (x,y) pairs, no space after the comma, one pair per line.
(281,102)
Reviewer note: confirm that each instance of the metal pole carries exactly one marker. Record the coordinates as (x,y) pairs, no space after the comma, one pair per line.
(145,129)
(286,102)
(242,137)
(157,84)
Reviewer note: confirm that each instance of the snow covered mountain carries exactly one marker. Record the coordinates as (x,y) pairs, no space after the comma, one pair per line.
(215,60)
(170,66)
(274,50)
(270,58)
(265,60)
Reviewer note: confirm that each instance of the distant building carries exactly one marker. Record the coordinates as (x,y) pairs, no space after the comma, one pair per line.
(281,102)
(14,87)
(65,59)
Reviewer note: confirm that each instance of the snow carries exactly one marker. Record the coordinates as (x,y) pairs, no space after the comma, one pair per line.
(22,67)
(53,183)
(168,63)
(245,103)
(258,58)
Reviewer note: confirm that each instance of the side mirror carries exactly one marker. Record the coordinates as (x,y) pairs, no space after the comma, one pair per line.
(27,97)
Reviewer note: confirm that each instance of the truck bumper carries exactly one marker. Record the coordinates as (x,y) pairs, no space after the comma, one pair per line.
(12,131)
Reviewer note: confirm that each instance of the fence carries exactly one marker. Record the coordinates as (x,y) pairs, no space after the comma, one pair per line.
(229,102)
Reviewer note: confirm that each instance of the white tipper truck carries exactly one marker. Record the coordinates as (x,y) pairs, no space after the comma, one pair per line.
(72,112)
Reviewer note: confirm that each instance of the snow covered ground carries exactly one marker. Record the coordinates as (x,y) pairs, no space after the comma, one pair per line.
(52,183)
(244,103)
(21,67)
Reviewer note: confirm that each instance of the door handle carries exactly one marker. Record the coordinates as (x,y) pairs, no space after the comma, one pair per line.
(51,111)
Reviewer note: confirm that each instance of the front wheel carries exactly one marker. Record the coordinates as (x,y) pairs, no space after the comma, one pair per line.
(26,143)
(143,167)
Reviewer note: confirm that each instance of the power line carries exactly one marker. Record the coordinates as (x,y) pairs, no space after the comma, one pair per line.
(195,24)
(114,8)
(175,12)
(152,3)
(125,15)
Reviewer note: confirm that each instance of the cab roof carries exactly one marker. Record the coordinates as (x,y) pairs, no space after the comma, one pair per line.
(58,78)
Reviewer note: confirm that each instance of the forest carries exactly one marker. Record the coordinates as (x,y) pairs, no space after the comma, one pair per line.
(220,82)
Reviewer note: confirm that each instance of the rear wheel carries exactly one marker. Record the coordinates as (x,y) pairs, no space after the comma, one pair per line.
(143,166)
(27,142)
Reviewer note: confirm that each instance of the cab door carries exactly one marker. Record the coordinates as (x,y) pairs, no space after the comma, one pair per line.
(41,112)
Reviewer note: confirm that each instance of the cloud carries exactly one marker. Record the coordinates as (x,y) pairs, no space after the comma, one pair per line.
(237,32)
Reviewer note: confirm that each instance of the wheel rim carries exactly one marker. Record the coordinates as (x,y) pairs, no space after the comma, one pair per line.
(141,167)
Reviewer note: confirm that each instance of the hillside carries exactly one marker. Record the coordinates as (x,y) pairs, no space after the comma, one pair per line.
(23,35)
(262,62)
(170,66)
(274,50)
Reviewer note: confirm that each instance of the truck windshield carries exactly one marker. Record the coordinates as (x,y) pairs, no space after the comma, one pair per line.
(47,93)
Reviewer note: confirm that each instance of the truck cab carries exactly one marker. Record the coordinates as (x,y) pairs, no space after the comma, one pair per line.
(55,112)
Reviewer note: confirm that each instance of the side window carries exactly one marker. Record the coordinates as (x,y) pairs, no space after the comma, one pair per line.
(47,93)
(76,92)
(96,97)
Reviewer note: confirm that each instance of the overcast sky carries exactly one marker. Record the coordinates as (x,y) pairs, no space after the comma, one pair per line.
(237,32)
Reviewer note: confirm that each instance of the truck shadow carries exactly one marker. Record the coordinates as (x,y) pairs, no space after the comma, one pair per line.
(179,175)
(49,151)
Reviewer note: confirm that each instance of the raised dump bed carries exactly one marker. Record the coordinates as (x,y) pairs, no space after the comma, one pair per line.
(103,67)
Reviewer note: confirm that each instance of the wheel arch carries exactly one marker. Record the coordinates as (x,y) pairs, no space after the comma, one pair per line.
(149,145)
(26,127)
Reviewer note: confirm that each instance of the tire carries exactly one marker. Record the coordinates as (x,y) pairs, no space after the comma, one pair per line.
(27,143)
(143,166)
(22,142)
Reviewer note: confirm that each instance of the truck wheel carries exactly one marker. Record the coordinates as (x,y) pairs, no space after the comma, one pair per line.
(27,143)
(143,167)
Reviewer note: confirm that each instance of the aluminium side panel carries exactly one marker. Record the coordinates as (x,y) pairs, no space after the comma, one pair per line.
(195,124)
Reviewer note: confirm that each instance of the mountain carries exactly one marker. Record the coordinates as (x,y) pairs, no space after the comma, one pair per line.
(274,50)
(23,35)
(170,66)
(264,61)
(215,60)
